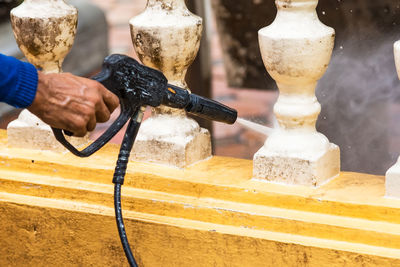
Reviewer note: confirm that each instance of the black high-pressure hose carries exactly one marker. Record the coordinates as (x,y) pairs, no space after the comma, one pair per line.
(118,180)
(121,226)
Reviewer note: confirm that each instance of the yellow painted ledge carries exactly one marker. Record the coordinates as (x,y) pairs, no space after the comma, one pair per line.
(57,209)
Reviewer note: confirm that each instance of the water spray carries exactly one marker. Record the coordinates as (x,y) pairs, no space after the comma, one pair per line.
(267,131)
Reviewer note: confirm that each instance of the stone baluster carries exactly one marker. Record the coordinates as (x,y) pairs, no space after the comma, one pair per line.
(166,36)
(45,31)
(296,49)
(392,182)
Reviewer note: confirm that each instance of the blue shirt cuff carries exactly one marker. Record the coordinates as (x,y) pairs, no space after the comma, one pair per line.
(27,81)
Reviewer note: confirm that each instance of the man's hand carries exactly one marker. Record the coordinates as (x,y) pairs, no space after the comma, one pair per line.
(72,103)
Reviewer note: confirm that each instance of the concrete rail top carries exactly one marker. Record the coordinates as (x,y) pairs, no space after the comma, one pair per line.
(220,177)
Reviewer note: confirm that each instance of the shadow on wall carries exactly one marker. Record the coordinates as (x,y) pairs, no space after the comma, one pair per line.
(360,91)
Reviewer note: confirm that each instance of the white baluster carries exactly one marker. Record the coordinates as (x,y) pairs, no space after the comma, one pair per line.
(45,31)
(392,182)
(296,49)
(166,36)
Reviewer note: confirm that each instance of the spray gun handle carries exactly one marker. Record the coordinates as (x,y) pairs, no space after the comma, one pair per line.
(127,111)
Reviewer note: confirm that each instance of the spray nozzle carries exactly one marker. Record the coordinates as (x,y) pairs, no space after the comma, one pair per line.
(199,106)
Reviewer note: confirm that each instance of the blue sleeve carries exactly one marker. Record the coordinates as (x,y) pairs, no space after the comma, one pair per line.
(18,82)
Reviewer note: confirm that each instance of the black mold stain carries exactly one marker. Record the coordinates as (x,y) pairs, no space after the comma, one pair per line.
(148,46)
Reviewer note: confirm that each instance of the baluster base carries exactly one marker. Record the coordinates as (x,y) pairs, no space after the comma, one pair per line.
(297,159)
(172,140)
(29,132)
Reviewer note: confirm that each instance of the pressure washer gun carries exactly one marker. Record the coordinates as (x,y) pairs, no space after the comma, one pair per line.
(138,86)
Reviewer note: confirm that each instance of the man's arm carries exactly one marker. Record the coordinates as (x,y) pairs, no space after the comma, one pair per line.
(62,100)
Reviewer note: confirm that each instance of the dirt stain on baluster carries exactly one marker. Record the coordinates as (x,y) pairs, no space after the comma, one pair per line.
(44,39)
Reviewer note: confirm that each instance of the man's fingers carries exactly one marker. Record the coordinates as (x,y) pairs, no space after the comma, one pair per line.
(80,134)
(102,112)
(76,124)
(110,100)
(91,124)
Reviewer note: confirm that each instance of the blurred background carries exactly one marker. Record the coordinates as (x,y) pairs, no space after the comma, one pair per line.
(359,93)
